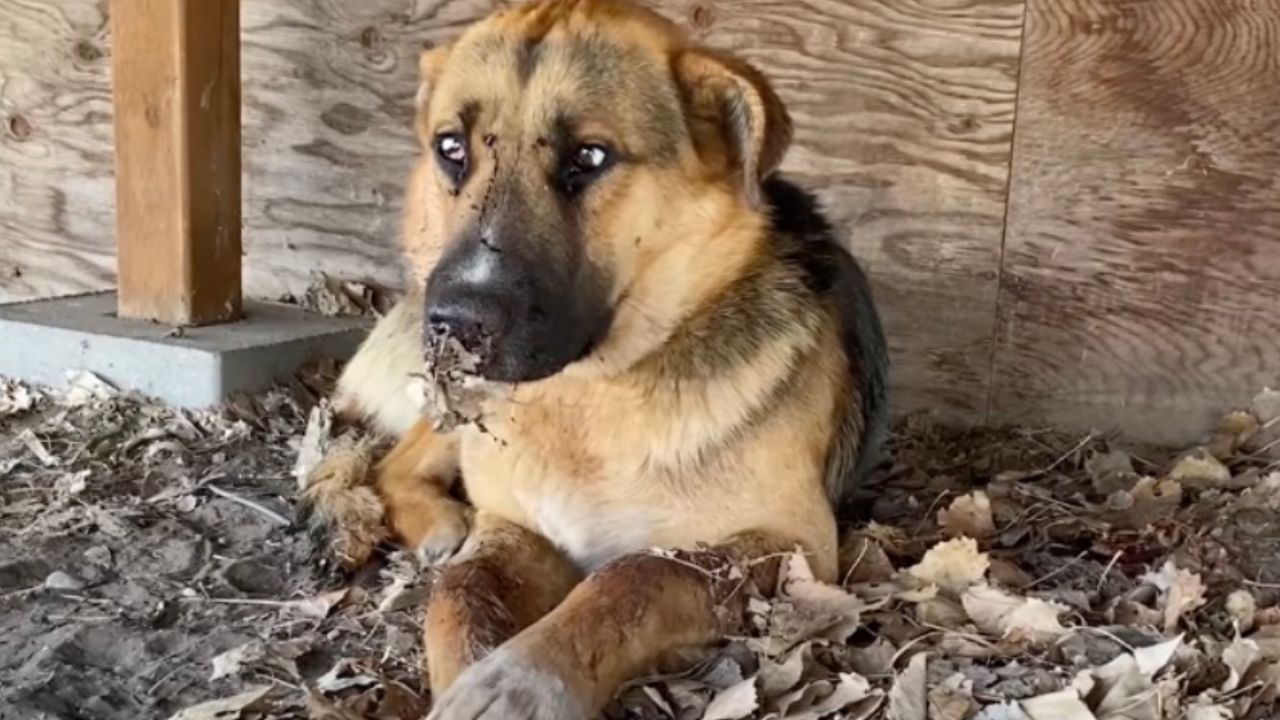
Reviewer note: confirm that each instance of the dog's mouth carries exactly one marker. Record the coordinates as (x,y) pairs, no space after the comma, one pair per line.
(596,337)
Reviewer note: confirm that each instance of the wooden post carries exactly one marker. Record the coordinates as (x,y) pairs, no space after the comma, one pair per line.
(176,71)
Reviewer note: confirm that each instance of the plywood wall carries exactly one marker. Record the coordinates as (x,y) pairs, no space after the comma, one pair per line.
(1068,207)
(1141,280)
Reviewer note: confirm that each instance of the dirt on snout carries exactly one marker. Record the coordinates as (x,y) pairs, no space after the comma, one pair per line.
(450,390)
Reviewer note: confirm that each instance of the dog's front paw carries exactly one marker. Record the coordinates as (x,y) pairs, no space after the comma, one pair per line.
(507,686)
(344,513)
(431,524)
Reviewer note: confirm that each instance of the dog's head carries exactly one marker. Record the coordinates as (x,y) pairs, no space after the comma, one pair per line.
(588,178)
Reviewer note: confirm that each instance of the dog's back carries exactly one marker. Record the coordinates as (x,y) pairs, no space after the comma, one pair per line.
(811,242)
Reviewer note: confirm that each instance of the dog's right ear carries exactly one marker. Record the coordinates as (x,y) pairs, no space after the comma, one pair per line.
(430,64)
(731,103)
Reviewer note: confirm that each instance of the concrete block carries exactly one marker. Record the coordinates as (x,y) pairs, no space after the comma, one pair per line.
(194,368)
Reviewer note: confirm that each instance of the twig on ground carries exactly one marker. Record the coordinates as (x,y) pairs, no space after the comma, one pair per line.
(1107,571)
(1065,567)
(1076,448)
(265,511)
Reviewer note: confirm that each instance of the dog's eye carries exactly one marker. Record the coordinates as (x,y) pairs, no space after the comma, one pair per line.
(589,158)
(583,166)
(452,149)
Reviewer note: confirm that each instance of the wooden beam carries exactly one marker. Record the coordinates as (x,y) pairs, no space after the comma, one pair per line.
(176,73)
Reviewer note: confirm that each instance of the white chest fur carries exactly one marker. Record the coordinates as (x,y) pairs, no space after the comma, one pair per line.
(591,533)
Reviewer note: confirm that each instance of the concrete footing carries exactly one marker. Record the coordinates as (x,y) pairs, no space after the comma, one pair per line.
(193,368)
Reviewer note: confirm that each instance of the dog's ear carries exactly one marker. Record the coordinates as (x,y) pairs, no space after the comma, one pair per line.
(430,65)
(732,102)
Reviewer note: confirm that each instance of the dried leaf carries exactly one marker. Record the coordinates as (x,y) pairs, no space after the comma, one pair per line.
(1242,608)
(907,699)
(875,659)
(60,581)
(777,678)
(1151,659)
(1007,616)
(941,612)
(863,560)
(1111,472)
(1181,592)
(72,484)
(1239,657)
(318,607)
(1236,429)
(1266,405)
(813,609)
(1266,494)
(1202,470)
(229,708)
(849,689)
(1062,705)
(1006,574)
(314,443)
(37,448)
(15,398)
(333,297)
(1122,691)
(1208,711)
(737,701)
(1266,677)
(1003,711)
(968,516)
(953,565)
(321,708)
(1149,501)
(343,676)
(1268,639)
(952,699)
(890,538)
(83,387)
(258,654)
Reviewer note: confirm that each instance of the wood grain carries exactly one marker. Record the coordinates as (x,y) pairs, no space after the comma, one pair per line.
(57,197)
(904,113)
(329,88)
(1142,277)
(328,91)
(176,84)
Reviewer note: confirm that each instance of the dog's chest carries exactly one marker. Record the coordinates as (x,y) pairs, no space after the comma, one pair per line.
(593,509)
(591,533)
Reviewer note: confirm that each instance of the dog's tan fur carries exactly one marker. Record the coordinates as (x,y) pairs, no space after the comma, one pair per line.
(673,432)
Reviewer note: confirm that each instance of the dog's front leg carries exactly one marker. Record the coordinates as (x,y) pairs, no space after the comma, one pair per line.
(503,580)
(623,621)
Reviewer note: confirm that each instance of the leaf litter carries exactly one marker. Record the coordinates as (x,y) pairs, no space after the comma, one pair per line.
(1000,575)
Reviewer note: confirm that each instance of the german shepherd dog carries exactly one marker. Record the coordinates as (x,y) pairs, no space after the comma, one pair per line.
(690,360)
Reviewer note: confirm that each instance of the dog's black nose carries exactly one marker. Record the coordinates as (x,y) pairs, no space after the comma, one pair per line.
(474,319)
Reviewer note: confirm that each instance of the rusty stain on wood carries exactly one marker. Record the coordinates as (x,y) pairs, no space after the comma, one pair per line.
(1142,275)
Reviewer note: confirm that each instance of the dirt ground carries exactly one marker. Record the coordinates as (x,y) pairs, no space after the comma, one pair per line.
(151,564)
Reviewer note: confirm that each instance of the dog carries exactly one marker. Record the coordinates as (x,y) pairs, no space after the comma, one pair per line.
(689,359)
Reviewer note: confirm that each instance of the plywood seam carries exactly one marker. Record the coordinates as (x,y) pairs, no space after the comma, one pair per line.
(1004,229)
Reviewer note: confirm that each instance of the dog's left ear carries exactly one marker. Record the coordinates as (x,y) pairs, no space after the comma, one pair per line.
(735,102)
